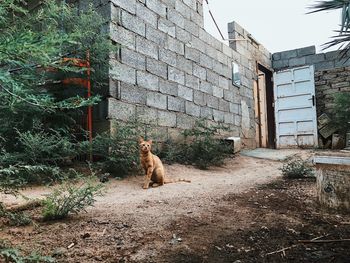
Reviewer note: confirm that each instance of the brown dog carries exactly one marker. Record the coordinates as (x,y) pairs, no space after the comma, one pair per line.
(154,169)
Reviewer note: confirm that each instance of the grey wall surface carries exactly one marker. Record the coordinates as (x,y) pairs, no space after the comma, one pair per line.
(170,71)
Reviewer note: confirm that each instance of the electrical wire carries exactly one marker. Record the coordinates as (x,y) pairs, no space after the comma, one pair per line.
(212,17)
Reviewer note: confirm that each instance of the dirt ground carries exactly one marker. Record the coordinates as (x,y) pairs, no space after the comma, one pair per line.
(242,212)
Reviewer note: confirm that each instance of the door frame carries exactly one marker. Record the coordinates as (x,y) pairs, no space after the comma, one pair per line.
(312,72)
(270,107)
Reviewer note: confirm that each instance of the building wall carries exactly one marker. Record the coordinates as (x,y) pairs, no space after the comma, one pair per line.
(332,73)
(170,71)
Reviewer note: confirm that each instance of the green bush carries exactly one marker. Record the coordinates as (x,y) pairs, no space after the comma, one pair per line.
(295,167)
(201,147)
(342,111)
(12,255)
(70,198)
(118,152)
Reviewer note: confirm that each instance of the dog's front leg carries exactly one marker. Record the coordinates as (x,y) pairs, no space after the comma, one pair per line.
(148,177)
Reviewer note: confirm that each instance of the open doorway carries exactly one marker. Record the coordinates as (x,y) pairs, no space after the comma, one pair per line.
(264,108)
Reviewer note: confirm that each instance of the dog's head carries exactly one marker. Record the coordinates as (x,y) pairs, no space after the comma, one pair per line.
(145,146)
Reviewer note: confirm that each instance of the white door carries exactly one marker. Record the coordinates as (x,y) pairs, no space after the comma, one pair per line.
(295,108)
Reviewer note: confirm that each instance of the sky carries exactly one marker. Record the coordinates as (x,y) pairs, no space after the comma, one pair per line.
(279,25)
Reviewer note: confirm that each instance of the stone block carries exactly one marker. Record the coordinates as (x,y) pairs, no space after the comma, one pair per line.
(224,105)
(146,114)
(276,56)
(183,35)
(132,58)
(167,27)
(193,28)
(146,47)
(114,88)
(122,36)
(183,9)
(132,93)
(167,119)
(157,7)
(218,92)
(157,68)
(289,54)
(185,93)
(191,3)
(224,82)
(229,118)
(212,77)
(133,23)
(176,18)
(199,72)
(199,98)
(167,87)
(324,65)
(305,51)
(212,102)
(176,104)
(206,61)
(168,57)
(198,44)
(294,62)
(333,55)
(122,72)
(192,54)
(219,116)
(229,95)
(206,87)
(191,81)
(128,5)
(184,121)
(207,113)
(235,108)
(197,19)
(176,75)
(185,64)
(156,36)
(280,64)
(156,100)
(147,81)
(120,110)
(146,15)
(175,45)
(192,109)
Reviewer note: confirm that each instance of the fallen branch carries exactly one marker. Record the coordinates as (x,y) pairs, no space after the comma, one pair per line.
(325,241)
(22,207)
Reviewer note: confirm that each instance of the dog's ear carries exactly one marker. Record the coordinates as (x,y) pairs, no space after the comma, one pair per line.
(150,142)
(141,140)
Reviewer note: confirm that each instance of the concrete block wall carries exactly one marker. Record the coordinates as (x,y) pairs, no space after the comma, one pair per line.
(332,73)
(248,54)
(170,71)
(328,83)
(308,56)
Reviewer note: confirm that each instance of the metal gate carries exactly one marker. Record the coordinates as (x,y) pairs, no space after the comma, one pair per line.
(295,108)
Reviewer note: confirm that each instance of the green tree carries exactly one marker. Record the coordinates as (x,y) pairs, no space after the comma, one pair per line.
(343,38)
(37,115)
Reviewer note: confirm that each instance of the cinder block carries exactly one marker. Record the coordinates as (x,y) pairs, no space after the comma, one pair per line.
(212,102)
(128,5)
(219,116)
(229,118)
(183,35)
(324,65)
(199,72)
(146,47)
(132,58)
(229,95)
(206,87)
(166,26)
(212,77)
(197,19)
(224,82)
(185,64)
(192,54)
(156,100)
(157,67)
(191,4)
(192,109)
(176,104)
(184,121)
(191,81)
(146,114)
(218,92)
(157,7)
(235,108)
(168,87)
(120,110)
(183,9)
(207,113)
(168,57)
(198,44)
(185,93)
(280,64)
(167,119)
(293,62)
(206,61)
(122,36)
(305,51)
(175,45)
(132,93)
(176,18)
(191,27)
(133,23)
(156,36)
(176,75)
(147,81)
(146,15)
(289,54)
(122,72)
(199,98)
(224,105)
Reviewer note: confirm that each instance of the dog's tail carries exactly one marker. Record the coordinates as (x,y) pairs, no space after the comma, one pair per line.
(169,181)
